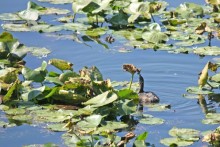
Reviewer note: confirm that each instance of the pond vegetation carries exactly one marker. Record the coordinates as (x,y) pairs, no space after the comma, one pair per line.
(92,110)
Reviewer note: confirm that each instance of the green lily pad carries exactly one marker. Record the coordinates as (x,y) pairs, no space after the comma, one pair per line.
(4,107)
(57,127)
(90,122)
(151,121)
(61,64)
(102,99)
(197,90)
(9,17)
(42,145)
(49,116)
(155,37)
(216,77)
(208,50)
(15,111)
(6,125)
(22,117)
(158,107)
(185,134)
(57,1)
(212,118)
(29,14)
(176,141)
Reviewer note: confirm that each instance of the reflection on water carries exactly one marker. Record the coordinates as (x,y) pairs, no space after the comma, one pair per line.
(168,75)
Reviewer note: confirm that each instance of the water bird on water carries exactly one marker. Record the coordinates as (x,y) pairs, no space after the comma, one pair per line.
(148,96)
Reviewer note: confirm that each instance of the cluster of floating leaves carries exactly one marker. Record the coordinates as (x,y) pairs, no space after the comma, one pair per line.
(84,104)
(97,103)
(178,30)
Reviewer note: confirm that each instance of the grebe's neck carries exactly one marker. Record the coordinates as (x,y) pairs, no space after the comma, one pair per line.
(141,83)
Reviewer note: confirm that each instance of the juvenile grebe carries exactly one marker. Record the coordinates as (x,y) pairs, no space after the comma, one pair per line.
(146,97)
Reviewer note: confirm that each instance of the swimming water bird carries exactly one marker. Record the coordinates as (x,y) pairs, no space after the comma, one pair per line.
(148,96)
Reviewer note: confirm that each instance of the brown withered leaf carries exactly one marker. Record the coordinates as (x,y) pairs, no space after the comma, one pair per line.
(130,68)
(213,67)
(201,28)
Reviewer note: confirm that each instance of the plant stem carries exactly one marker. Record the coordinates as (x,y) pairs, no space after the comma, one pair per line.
(132,76)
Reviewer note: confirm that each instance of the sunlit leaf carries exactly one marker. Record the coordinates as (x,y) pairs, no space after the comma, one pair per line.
(175,142)
(29,14)
(151,121)
(212,118)
(22,117)
(155,37)
(207,50)
(102,99)
(33,93)
(185,134)
(197,90)
(203,76)
(57,1)
(61,64)
(90,122)
(57,127)
(127,94)
(15,111)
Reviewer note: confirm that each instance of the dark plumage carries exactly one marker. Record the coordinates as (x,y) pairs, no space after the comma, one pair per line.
(146,97)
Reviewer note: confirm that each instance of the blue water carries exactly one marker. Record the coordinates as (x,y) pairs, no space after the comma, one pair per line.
(166,74)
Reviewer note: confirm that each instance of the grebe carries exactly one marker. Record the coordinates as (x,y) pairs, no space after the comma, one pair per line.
(146,97)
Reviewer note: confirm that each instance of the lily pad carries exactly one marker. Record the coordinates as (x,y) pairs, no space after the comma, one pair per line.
(212,118)
(59,127)
(158,107)
(22,117)
(61,64)
(151,121)
(155,37)
(176,141)
(102,99)
(208,50)
(90,122)
(57,1)
(6,125)
(197,90)
(185,134)
(15,111)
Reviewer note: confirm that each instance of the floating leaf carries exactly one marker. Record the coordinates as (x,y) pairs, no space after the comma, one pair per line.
(22,117)
(151,121)
(61,64)
(29,14)
(15,111)
(175,141)
(197,90)
(158,107)
(57,127)
(102,99)
(212,118)
(90,122)
(57,1)
(6,125)
(155,37)
(185,134)
(208,50)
